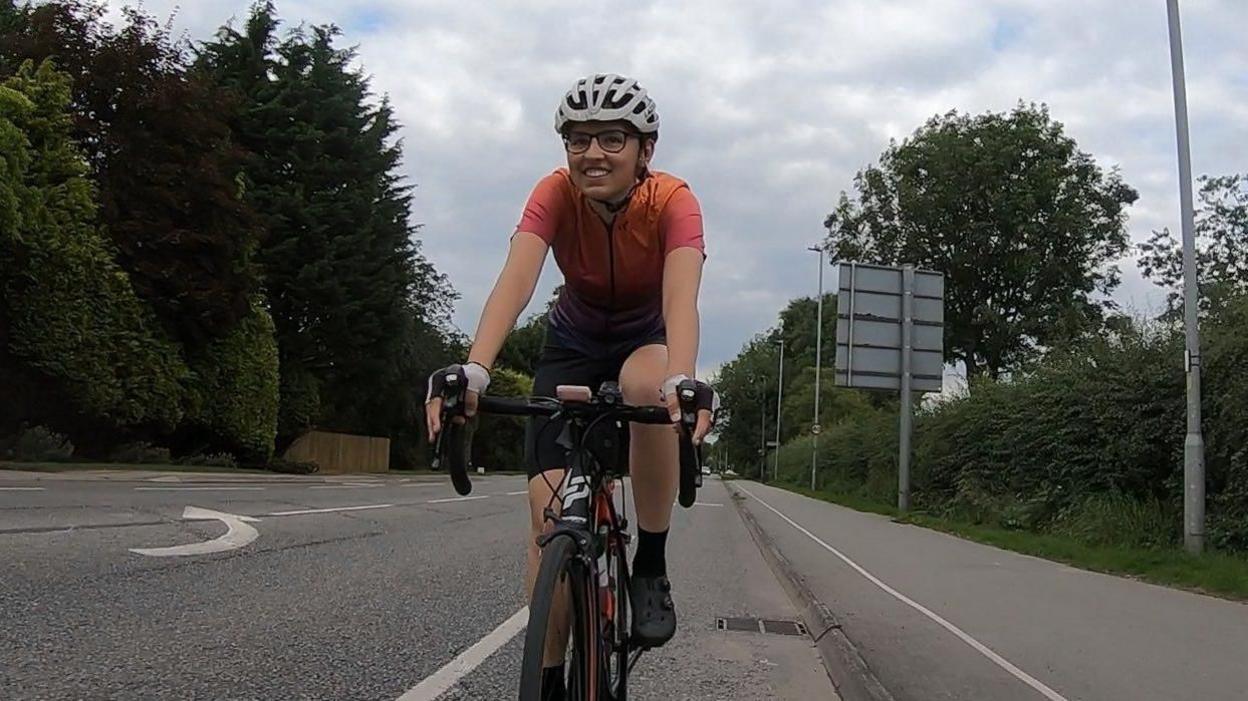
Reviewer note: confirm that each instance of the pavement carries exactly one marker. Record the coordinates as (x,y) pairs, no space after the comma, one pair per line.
(937,617)
(150,585)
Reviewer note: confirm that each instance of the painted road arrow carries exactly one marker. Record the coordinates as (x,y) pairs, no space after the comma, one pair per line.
(237,535)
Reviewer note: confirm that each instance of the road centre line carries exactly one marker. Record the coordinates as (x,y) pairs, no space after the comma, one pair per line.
(978,646)
(326,511)
(198,489)
(22,489)
(452,499)
(442,680)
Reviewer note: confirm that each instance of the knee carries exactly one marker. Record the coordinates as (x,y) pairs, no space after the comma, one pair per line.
(642,389)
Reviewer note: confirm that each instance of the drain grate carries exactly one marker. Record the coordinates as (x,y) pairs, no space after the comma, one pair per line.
(760,625)
(784,627)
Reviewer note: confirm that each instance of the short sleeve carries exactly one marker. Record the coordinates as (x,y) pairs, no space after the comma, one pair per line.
(544,208)
(681,222)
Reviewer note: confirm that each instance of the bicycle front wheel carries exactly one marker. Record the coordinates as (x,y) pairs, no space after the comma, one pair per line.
(562,571)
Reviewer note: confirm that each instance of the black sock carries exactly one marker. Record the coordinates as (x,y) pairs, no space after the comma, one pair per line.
(651,557)
(552,684)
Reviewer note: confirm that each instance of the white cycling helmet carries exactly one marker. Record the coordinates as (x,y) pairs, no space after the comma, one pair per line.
(606,97)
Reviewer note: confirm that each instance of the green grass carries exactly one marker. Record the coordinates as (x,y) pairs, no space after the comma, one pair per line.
(1217,574)
(856,502)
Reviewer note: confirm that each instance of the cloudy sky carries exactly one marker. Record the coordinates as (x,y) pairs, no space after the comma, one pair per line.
(768,109)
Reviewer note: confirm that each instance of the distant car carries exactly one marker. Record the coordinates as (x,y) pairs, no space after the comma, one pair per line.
(706,470)
(730,473)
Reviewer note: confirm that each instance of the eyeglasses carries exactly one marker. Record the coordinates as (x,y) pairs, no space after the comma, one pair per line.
(611,141)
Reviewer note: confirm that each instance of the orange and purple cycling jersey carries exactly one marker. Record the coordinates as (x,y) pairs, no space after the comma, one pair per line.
(613,291)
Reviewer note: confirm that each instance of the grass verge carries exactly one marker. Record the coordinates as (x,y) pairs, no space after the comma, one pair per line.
(1217,574)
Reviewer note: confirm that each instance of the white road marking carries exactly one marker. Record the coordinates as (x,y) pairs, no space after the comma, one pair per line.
(326,511)
(446,501)
(978,646)
(22,489)
(198,489)
(237,535)
(440,681)
(345,486)
(522,491)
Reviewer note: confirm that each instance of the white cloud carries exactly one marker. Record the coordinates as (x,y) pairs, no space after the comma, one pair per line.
(769,109)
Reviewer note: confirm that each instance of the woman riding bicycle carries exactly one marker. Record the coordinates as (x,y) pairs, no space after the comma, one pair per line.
(628,241)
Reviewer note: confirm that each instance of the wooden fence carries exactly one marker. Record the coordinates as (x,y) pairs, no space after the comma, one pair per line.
(341,452)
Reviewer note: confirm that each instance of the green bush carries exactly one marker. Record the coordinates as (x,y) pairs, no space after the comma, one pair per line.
(300,401)
(235,393)
(1116,519)
(1225,404)
(292,467)
(40,444)
(1087,444)
(141,453)
(210,460)
(498,441)
(75,323)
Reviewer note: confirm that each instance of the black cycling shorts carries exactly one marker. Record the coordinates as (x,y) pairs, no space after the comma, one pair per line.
(572,363)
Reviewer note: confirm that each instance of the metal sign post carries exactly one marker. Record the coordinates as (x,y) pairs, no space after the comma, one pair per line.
(907,406)
(890,336)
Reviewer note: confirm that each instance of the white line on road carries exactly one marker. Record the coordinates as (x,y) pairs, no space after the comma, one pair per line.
(445,501)
(198,489)
(237,535)
(522,491)
(443,679)
(980,647)
(21,489)
(345,486)
(326,511)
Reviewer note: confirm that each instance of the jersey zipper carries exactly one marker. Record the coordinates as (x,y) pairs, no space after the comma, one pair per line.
(611,268)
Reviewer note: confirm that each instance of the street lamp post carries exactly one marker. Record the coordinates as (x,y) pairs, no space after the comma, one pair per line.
(1194,445)
(775,470)
(816,428)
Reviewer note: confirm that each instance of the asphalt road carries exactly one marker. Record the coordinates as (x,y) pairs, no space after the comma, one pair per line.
(341,588)
(937,617)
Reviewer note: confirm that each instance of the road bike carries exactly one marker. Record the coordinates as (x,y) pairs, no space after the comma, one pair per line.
(585,551)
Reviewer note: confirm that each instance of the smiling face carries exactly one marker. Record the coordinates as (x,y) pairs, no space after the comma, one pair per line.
(606,166)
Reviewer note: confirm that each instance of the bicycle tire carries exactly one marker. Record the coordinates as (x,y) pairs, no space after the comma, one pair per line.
(614,640)
(557,561)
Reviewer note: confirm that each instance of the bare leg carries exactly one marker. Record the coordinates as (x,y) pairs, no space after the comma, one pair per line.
(654,452)
(540,496)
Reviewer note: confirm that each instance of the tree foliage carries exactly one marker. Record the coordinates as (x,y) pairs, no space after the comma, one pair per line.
(749,384)
(1221,234)
(347,286)
(78,346)
(160,150)
(234,395)
(1022,223)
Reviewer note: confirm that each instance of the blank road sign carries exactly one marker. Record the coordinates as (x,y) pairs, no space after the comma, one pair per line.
(870,326)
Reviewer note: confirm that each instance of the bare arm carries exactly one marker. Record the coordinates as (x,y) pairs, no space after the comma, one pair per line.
(682,277)
(511,294)
(512,291)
